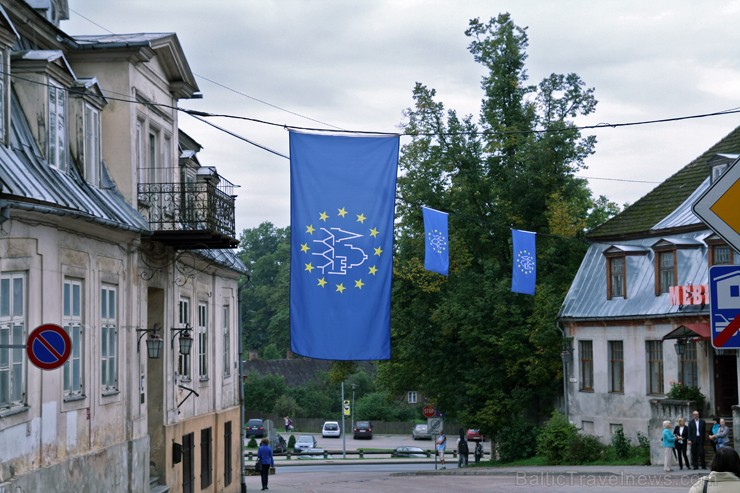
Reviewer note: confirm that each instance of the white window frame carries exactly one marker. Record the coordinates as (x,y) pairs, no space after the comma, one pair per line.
(92,144)
(202,341)
(412,397)
(57,144)
(183,360)
(72,310)
(109,338)
(13,366)
(227,340)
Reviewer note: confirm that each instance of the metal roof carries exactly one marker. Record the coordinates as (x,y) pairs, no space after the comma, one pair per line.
(28,181)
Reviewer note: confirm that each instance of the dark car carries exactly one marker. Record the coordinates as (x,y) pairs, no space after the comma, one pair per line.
(409,451)
(363,429)
(255,428)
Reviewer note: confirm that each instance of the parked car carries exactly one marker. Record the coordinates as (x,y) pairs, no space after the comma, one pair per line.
(363,429)
(304,442)
(331,429)
(313,453)
(421,432)
(409,451)
(474,435)
(254,428)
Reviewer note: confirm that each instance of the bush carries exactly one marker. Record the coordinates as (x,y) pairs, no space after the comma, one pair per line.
(519,441)
(642,451)
(584,449)
(252,442)
(683,392)
(554,441)
(622,447)
(291,442)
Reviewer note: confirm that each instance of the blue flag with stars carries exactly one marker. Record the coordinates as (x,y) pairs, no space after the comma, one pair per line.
(524,268)
(342,194)
(436,256)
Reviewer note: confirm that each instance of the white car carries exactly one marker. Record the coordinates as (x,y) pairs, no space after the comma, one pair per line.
(331,429)
(304,442)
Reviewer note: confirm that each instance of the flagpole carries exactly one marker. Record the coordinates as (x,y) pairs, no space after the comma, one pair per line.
(344,430)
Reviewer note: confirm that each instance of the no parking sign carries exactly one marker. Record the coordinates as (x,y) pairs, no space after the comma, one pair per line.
(48,346)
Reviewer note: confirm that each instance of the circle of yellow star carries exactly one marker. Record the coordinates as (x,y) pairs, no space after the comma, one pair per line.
(310,229)
(322,282)
(359,284)
(378,251)
(323,216)
(361,218)
(342,212)
(374,232)
(373,270)
(340,288)
(309,267)
(304,247)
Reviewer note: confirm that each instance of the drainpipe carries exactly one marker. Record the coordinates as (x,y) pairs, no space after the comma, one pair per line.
(241,389)
(565,355)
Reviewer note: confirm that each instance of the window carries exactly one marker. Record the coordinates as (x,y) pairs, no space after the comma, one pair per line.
(654,353)
(688,370)
(205,458)
(721,255)
(153,157)
(202,341)
(586,355)
(227,454)
(12,331)
(72,322)
(616,274)
(616,366)
(57,127)
(183,361)
(227,340)
(108,339)
(665,271)
(140,166)
(411,397)
(92,144)
(4,71)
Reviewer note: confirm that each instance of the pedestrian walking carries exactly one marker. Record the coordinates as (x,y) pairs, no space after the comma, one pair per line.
(266,461)
(462,450)
(441,446)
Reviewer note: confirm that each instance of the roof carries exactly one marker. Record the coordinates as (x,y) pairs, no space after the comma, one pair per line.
(586,298)
(641,217)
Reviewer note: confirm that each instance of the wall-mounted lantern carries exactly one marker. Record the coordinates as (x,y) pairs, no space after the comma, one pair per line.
(186,340)
(154,343)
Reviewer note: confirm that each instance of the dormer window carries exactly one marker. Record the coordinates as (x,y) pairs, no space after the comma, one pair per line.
(57,127)
(616,269)
(720,253)
(665,271)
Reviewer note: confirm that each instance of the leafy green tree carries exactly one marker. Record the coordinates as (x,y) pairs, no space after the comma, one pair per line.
(286,405)
(481,353)
(265,250)
(261,393)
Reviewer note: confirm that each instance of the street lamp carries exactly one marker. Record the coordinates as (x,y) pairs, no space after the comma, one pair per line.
(153,343)
(680,346)
(186,340)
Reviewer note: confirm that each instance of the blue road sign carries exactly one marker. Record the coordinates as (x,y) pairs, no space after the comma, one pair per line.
(48,346)
(724,305)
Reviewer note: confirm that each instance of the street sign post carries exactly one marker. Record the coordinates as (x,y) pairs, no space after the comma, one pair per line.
(48,346)
(434,425)
(719,206)
(724,306)
(346,408)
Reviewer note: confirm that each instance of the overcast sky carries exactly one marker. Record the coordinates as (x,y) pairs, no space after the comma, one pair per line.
(353,64)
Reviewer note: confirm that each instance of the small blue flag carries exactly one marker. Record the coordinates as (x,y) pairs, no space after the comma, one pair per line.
(524,268)
(342,192)
(436,252)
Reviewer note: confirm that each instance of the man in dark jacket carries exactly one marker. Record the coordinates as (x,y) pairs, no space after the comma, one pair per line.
(462,450)
(697,430)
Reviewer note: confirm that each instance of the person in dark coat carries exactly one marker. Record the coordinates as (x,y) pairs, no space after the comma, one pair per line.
(478,454)
(264,456)
(462,450)
(697,431)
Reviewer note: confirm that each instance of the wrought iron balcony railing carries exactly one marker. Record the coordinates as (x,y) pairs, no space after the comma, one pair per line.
(189,215)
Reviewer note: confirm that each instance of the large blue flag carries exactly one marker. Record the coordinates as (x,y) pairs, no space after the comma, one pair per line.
(342,192)
(436,252)
(524,268)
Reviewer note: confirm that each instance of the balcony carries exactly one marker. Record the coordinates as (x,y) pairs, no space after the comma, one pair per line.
(192,215)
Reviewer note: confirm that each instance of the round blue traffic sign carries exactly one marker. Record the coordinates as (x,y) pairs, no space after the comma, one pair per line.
(48,346)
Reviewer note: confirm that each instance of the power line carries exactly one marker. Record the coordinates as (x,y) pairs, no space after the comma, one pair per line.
(617,179)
